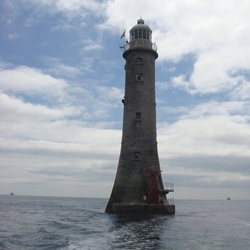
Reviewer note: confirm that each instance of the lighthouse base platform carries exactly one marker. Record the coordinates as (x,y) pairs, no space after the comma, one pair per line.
(128,208)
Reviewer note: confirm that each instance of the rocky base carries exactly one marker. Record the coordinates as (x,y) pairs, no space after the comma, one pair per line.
(126,208)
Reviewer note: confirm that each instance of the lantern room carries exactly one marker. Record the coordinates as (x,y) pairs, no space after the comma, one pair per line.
(140,31)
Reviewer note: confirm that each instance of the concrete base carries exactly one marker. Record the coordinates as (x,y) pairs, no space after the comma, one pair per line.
(126,208)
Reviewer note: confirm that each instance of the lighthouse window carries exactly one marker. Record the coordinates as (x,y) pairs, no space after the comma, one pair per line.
(138,60)
(137,155)
(140,33)
(139,77)
(138,116)
(136,34)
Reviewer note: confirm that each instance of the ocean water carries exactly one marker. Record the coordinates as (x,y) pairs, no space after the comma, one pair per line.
(28,222)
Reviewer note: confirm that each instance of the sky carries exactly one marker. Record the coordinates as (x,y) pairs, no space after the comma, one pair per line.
(62,80)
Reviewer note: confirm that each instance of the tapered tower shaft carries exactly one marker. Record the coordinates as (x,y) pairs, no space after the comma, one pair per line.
(138,184)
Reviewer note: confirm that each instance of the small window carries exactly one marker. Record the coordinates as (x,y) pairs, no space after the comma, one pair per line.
(138,60)
(138,115)
(137,155)
(139,78)
(136,34)
(140,33)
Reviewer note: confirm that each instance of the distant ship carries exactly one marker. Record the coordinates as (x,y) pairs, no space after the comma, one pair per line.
(11,193)
(228,198)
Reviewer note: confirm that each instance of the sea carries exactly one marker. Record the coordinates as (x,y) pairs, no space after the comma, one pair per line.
(30,222)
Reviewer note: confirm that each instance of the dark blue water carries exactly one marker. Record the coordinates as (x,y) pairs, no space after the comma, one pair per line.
(28,222)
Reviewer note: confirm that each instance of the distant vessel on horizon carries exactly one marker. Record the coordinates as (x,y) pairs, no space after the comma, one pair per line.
(11,193)
(228,198)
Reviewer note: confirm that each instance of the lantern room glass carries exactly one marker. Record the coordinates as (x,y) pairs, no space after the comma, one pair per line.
(140,33)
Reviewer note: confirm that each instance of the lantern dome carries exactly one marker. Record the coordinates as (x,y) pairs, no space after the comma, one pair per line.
(140,31)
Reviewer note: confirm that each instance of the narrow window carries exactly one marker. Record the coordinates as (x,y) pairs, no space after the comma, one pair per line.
(133,34)
(137,155)
(139,77)
(136,34)
(138,60)
(138,116)
(140,33)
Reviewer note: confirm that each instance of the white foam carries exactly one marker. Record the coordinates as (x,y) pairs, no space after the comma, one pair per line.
(89,244)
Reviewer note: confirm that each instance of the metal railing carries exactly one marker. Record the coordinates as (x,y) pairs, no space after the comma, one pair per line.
(170,201)
(169,187)
(139,43)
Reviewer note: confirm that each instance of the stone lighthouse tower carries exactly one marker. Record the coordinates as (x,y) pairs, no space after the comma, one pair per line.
(138,186)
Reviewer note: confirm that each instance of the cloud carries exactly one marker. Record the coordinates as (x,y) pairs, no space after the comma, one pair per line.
(75,5)
(208,129)
(31,81)
(26,120)
(69,8)
(63,26)
(13,36)
(207,147)
(180,82)
(216,32)
(61,111)
(78,158)
(242,91)
(31,13)
(92,45)
(61,70)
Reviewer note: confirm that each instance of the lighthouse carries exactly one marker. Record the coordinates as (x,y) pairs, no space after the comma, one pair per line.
(138,186)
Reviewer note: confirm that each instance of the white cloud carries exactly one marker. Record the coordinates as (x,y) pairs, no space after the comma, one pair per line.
(70,8)
(242,91)
(180,82)
(31,81)
(212,70)
(28,120)
(85,99)
(91,45)
(44,163)
(208,146)
(13,36)
(16,109)
(216,32)
(75,5)
(68,142)
(208,129)
(228,108)
(59,69)
(63,26)
(109,93)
